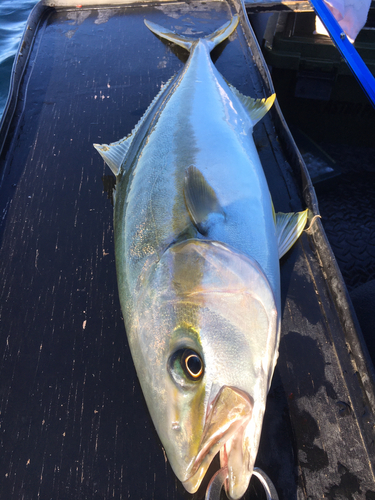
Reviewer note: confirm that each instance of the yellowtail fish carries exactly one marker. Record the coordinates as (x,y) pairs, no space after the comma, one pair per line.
(197,246)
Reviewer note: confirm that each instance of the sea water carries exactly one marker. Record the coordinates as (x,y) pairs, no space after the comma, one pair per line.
(13,17)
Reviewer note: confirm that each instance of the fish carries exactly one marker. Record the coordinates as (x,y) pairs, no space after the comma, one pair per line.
(197,249)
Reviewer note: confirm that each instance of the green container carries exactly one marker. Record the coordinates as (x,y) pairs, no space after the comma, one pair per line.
(315,87)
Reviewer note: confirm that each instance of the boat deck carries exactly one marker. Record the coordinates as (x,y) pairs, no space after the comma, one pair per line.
(73,421)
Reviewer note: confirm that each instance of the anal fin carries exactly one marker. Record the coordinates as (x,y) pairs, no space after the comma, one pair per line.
(256,108)
(288,229)
(201,200)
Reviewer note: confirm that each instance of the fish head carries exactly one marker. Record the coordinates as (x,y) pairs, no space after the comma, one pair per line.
(209,356)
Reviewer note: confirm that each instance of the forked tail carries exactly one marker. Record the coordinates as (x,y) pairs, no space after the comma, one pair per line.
(188,42)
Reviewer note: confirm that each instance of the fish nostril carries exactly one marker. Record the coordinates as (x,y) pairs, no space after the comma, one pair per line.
(176,426)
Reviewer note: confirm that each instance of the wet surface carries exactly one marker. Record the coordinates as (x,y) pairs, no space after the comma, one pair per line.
(348,486)
(305,366)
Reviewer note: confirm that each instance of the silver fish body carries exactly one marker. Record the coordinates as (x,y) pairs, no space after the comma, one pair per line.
(197,256)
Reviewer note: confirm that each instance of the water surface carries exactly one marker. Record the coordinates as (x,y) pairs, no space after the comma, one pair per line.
(13,17)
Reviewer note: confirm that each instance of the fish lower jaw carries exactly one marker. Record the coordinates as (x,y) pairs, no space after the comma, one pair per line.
(236,461)
(232,458)
(224,431)
(200,466)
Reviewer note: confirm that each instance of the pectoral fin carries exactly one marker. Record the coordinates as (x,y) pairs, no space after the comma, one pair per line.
(288,229)
(201,200)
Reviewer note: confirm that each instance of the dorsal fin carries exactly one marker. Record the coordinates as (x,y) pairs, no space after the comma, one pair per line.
(201,200)
(188,42)
(256,108)
(114,154)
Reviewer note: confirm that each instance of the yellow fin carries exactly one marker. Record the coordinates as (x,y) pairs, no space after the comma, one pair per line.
(273,213)
(256,108)
(288,229)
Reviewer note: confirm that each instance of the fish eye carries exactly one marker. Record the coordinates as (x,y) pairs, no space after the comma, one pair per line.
(186,366)
(192,364)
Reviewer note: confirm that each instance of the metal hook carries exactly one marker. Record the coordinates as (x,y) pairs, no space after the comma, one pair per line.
(218,480)
(267,484)
(216,483)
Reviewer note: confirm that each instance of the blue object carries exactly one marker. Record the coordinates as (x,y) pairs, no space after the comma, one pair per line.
(353,59)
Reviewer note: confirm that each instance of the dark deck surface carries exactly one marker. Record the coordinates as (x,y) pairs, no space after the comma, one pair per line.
(348,210)
(73,422)
(348,216)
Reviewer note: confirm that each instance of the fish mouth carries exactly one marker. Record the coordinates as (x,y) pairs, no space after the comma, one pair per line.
(224,431)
